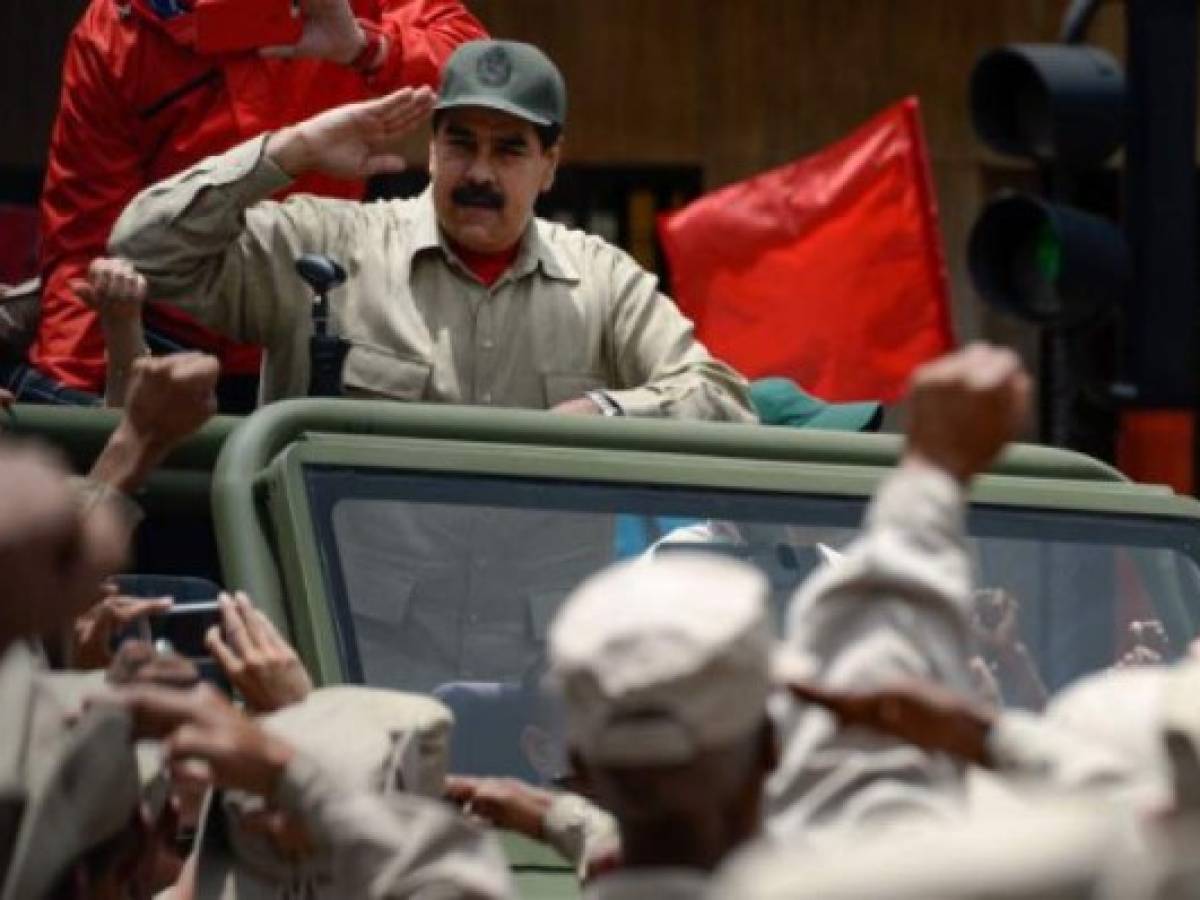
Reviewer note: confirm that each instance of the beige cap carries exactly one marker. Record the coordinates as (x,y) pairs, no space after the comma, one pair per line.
(380,742)
(87,795)
(661,659)
(375,740)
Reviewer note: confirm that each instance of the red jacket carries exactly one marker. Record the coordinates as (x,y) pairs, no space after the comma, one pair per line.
(139,104)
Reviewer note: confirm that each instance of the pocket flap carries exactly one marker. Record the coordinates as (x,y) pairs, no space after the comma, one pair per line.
(380,595)
(376,373)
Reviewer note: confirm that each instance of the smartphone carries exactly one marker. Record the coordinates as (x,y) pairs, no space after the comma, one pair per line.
(195,600)
(239,26)
(184,625)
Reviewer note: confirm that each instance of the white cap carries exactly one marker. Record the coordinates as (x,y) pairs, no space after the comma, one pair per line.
(659,660)
(372,739)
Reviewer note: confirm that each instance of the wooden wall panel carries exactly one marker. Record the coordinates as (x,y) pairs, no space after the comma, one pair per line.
(33,34)
(735,86)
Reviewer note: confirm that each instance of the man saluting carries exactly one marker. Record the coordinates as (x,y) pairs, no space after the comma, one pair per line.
(461,295)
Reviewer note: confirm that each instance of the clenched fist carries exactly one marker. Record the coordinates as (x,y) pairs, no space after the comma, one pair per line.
(965,407)
(114,288)
(170,397)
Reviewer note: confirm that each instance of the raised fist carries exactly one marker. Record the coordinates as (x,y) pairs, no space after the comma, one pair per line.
(170,397)
(965,407)
(114,288)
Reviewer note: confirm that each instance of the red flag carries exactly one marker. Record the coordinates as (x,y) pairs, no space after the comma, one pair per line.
(828,270)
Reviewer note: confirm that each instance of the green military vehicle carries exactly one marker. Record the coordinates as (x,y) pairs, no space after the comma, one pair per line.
(428,547)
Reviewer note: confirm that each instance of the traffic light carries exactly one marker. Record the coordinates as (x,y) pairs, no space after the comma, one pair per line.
(1119,307)
(1039,257)
(1047,262)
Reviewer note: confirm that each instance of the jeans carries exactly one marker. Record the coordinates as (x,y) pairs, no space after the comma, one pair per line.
(29,385)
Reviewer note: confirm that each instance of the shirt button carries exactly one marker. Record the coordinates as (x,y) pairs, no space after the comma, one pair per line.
(486,398)
(487,343)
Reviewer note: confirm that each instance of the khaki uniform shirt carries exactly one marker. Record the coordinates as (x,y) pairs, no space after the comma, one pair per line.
(895,607)
(581,831)
(367,846)
(1064,849)
(573,313)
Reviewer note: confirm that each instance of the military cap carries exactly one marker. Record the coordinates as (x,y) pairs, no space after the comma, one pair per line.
(661,659)
(373,739)
(508,76)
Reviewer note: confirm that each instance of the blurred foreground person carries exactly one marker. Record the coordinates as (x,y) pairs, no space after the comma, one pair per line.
(879,731)
(665,667)
(896,605)
(327,798)
(1126,828)
(461,295)
(59,540)
(147,92)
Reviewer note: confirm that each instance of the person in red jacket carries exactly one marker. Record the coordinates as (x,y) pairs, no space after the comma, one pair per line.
(140,102)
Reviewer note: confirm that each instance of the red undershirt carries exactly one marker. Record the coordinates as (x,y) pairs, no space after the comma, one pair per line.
(487,267)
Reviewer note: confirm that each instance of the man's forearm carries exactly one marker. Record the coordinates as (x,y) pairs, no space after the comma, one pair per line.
(204,240)
(125,341)
(290,151)
(127,459)
(394,847)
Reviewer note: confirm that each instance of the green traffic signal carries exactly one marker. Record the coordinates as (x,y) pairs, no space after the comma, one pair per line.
(1048,264)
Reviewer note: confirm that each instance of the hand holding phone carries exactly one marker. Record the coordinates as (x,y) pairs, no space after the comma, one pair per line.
(239,26)
(259,663)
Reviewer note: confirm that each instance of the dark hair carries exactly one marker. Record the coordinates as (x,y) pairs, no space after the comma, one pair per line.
(547,135)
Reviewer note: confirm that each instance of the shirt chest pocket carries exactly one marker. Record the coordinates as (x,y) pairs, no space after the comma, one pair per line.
(370,372)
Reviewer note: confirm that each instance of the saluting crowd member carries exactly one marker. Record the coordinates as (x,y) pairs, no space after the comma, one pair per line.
(458,296)
(143,98)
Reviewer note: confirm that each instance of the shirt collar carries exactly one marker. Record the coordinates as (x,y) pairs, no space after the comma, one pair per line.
(536,250)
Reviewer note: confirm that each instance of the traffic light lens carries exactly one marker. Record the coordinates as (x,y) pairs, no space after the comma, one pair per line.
(1049,251)
(1036,263)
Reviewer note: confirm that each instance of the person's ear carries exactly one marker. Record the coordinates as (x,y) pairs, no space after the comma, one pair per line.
(433,155)
(553,156)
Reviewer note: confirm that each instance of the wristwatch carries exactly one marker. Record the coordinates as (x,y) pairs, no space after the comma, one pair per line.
(608,406)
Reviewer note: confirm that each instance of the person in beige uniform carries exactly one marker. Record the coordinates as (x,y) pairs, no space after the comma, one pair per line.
(348,777)
(59,539)
(462,296)
(570,323)
(665,667)
(895,606)
(871,799)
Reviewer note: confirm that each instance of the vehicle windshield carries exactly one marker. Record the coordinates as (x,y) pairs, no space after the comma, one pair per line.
(448,584)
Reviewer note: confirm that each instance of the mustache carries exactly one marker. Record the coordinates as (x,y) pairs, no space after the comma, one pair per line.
(481,196)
